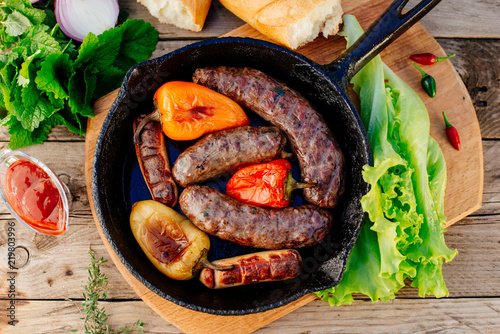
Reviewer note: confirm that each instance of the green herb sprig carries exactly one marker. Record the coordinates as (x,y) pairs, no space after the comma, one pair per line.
(95,318)
(46,79)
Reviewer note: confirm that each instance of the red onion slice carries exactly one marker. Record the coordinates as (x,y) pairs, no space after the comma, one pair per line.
(77,18)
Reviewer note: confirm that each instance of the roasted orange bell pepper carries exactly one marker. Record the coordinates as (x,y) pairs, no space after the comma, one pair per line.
(187,111)
(269,184)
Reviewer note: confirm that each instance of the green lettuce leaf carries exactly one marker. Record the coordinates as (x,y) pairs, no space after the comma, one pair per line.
(403,235)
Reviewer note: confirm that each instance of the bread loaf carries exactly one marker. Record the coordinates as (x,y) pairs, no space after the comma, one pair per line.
(185,14)
(291,23)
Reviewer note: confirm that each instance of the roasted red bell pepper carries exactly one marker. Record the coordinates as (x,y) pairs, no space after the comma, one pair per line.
(269,184)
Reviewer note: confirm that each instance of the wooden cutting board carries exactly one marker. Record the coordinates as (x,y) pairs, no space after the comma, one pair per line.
(465,167)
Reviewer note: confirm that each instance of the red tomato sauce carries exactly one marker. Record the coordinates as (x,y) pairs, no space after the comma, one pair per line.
(34,197)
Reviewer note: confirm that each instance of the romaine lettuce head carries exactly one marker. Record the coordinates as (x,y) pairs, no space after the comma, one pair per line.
(403,236)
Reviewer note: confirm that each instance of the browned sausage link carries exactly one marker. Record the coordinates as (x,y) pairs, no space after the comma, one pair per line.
(320,157)
(248,225)
(154,163)
(268,266)
(227,151)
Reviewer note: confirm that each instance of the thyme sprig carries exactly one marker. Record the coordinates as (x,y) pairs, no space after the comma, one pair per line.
(95,318)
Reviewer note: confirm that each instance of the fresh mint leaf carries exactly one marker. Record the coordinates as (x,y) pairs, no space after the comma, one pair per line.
(109,79)
(37,38)
(89,74)
(139,42)
(101,51)
(3,108)
(17,4)
(56,102)
(8,76)
(109,46)
(20,137)
(36,16)
(8,58)
(6,40)
(37,107)
(74,123)
(79,90)
(54,75)
(16,24)
(87,50)
(24,73)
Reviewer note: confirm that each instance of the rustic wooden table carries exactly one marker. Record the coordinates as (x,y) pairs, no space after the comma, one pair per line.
(52,269)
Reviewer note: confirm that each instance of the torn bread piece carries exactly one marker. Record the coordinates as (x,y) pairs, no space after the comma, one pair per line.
(289,22)
(185,14)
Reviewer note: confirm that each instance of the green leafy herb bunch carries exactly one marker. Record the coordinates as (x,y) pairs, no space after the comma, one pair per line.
(47,79)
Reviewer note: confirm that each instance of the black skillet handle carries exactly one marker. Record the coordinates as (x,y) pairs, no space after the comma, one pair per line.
(383,31)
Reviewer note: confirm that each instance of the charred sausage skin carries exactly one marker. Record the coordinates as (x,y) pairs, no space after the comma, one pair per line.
(154,163)
(227,151)
(267,266)
(320,156)
(248,225)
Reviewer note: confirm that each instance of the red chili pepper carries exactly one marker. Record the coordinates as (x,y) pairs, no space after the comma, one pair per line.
(452,134)
(270,184)
(428,58)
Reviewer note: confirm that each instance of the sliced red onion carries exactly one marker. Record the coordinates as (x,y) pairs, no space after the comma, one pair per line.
(77,18)
(34,1)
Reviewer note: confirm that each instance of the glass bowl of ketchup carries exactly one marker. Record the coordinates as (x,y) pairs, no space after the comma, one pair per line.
(32,193)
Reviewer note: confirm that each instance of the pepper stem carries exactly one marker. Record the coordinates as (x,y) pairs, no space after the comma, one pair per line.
(444,58)
(421,70)
(210,265)
(448,124)
(155,116)
(291,184)
(204,263)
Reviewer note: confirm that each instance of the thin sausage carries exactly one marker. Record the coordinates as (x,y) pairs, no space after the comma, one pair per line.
(248,225)
(320,156)
(155,167)
(227,151)
(267,266)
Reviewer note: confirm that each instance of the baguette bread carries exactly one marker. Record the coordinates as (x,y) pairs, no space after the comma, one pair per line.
(291,23)
(185,14)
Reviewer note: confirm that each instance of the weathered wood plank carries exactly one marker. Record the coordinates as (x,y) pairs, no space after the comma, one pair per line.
(491,189)
(452,18)
(478,64)
(478,315)
(464,19)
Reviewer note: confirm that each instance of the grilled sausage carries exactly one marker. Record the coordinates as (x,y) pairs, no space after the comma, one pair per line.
(267,266)
(320,157)
(227,151)
(153,160)
(248,225)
